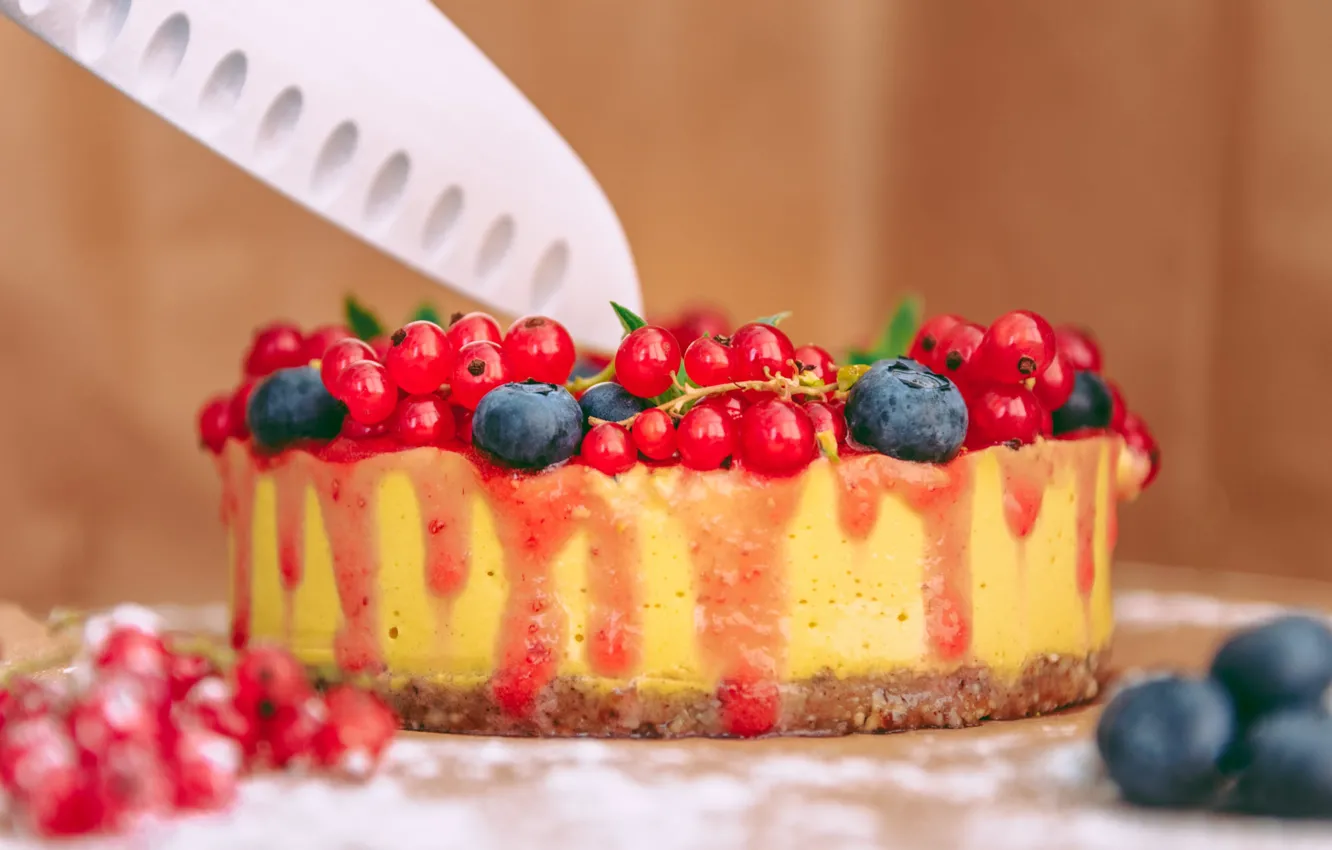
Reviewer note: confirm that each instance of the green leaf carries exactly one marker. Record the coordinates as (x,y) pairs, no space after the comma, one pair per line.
(427,313)
(629,320)
(896,338)
(775,319)
(856,357)
(363,323)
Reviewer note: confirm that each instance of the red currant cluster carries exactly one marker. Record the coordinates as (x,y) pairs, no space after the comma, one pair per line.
(753,397)
(1018,373)
(144,726)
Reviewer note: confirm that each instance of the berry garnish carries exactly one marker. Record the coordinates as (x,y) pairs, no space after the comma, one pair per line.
(380,345)
(423,420)
(339,356)
(957,348)
(528,426)
(610,402)
(818,362)
(480,367)
(1079,348)
(1016,346)
(900,410)
(462,424)
(539,349)
(322,338)
(761,351)
(608,448)
(828,416)
(269,680)
(355,430)
(1118,407)
(355,733)
(1163,740)
(776,438)
(1055,384)
(925,347)
(1139,439)
(706,437)
(654,434)
(368,391)
(1288,767)
(1089,406)
(205,767)
(117,708)
(474,327)
(646,361)
(278,346)
(695,324)
(707,362)
(733,404)
(185,670)
(1282,664)
(137,653)
(240,405)
(287,739)
(292,405)
(1003,414)
(215,423)
(421,357)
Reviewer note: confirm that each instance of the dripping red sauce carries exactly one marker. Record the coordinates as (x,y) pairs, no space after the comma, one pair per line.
(1084,483)
(1024,476)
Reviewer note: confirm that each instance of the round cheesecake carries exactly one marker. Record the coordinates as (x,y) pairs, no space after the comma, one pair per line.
(866,595)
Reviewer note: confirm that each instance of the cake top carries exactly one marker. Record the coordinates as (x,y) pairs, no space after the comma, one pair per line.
(696,391)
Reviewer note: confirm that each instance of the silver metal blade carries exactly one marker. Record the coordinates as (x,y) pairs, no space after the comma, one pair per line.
(381,116)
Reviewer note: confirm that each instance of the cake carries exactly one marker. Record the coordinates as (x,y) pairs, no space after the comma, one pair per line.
(725,536)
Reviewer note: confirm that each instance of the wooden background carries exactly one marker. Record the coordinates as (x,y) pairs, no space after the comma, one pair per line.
(1161,170)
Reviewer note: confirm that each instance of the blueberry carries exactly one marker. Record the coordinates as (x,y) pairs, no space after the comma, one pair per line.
(903,410)
(585,369)
(1162,740)
(529,425)
(1286,663)
(611,402)
(1289,770)
(1090,405)
(292,405)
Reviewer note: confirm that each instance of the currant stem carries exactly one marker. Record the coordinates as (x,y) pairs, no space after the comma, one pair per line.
(577,385)
(786,387)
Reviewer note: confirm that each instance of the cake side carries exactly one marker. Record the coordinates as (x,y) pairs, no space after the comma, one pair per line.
(521,603)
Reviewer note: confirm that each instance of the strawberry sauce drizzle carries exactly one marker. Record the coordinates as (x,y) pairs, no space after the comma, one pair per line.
(238,516)
(1084,483)
(347,496)
(737,545)
(445,498)
(290,485)
(942,496)
(615,646)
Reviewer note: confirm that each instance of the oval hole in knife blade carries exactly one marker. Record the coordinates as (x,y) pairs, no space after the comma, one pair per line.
(549,276)
(163,55)
(381,203)
(224,88)
(441,221)
(33,7)
(100,26)
(279,123)
(495,247)
(331,170)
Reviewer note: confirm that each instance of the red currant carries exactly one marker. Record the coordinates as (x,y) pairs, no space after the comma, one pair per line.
(131,650)
(776,438)
(653,431)
(957,348)
(733,404)
(40,738)
(368,391)
(185,670)
(646,361)
(608,448)
(481,366)
(240,404)
(1055,384)
(289,735)
(1017,346)
(1118,407)
(321,338)
(421,357)
(131,782)
(338,357)
(205,767)
(695,324)
(215,423)
(358,730)
(761,350)
(278,346)
(474,327)
(268,680)
(1139,439)
(817,362)
(828,416)
(423,420)
(24,698)
(212,704)
(355,430)
(707,362)
(1079,348)
(925,347)
(380,345)
(462,418)
(706,437)
(1003,413)
(539,349)
(116,708)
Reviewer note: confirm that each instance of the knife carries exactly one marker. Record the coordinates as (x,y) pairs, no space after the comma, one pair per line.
(382,117)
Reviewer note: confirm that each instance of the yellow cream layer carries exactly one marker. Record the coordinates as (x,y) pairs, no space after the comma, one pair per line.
(851,606)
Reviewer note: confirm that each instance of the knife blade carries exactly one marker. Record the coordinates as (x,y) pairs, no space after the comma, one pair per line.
(382,117)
